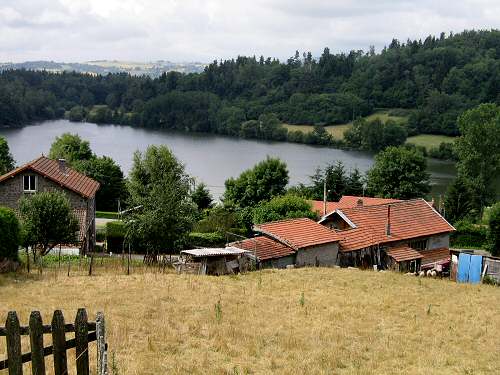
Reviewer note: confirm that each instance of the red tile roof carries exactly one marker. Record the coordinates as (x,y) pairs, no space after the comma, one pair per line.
(431,257)
(409,219)
(265,248)
(298,233)
(348,201)
(403,253)
(71,179)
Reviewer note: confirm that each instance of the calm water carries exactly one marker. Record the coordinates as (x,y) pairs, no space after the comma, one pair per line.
(209,158)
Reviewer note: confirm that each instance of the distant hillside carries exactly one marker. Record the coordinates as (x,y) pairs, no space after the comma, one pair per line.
(427,83)
(152,69)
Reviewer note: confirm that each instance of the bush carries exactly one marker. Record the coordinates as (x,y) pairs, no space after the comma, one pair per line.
(9,234)
(115,235)
(445,151)
(468,235)
(214,239)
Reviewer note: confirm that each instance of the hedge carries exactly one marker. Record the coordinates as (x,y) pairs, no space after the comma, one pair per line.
(469,235)
(115,234)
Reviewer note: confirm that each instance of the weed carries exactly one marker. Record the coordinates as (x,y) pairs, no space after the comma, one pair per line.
(302,300)
(218,311)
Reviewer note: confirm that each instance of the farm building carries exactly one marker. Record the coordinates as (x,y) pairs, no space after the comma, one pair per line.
(213,261)
(401,235)
(404,235)
(301,242)
(44,174)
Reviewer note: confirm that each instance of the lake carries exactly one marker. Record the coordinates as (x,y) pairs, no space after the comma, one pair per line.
(209,158)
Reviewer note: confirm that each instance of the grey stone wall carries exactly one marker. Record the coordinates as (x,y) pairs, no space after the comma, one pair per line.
(11,191)
(325,255)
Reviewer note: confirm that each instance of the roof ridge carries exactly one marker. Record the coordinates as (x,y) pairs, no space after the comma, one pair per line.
(286,220)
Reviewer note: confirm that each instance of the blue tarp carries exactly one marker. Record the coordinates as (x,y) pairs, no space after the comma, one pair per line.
(469,268)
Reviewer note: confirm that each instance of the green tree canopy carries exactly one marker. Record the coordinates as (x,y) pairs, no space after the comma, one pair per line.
(339,182)
(283,207)
(202,197)
(6,159)
(399,172)
(459,201)
(159,187)
(9,235)
(264,181)
(71,148)
(48,220)
(478,151)
(109,174)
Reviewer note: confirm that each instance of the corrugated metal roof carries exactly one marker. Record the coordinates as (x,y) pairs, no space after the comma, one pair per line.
(403,253)
(212,252)
(69,178)
(298,233)
(265,248)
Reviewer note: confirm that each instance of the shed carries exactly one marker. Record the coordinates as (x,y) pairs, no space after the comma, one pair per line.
(403,258)
(213,261)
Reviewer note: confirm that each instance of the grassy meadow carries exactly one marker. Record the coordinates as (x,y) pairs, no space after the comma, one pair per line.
(429,140)
(310,320)
(337,131)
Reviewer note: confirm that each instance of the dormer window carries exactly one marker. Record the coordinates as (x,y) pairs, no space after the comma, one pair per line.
(29,183)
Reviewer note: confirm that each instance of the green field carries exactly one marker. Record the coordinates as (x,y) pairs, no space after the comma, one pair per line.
(429,140)
(337,131)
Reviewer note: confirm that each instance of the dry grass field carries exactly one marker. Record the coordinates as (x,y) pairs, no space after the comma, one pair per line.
(311,320)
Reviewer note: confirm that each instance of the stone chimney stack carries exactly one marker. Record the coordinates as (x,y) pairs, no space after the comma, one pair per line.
(62,166)
(388,225)
(360,202)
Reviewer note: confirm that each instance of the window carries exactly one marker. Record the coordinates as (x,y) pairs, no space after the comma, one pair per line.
(29,183)
(419,244)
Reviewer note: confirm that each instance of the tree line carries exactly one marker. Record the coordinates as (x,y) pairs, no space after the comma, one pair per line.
(432,81)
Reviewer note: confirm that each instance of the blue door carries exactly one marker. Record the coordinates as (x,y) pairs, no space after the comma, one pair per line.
(463,268)
(476,263)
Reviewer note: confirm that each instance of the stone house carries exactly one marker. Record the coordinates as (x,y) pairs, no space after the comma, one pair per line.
(44,174)
(300,242)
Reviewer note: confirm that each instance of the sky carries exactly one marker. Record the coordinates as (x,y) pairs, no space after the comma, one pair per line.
(192,30)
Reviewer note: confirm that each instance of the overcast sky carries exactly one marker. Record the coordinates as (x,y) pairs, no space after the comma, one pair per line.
(192,30)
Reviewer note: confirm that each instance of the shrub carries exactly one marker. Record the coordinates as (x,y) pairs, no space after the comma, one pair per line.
(214,239)
(9,234)
(494,229)
(468,235)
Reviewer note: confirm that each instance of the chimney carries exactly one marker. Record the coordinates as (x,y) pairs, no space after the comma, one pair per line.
(388,225)
(360,202)
(62,166)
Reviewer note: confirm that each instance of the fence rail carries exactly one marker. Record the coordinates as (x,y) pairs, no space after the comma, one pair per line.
(85,333)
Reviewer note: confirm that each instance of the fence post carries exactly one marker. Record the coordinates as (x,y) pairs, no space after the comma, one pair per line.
(59,344)
(13,344)
(36,342)
(101,344)
(81,340)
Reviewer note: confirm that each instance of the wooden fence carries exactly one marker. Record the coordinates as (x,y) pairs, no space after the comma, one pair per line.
(85,332)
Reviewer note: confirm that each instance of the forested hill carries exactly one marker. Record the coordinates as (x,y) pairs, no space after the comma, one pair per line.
(433,79)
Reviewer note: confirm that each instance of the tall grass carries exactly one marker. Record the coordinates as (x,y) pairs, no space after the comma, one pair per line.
(349,321)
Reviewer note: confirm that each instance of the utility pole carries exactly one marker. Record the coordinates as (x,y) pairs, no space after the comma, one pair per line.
(324,197)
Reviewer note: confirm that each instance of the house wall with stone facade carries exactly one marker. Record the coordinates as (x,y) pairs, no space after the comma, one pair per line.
(12,190)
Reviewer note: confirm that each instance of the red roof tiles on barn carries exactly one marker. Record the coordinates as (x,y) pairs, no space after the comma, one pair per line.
(348,201)
(264,248)
(409,219)
(403,253)
(67,177)
(298,233)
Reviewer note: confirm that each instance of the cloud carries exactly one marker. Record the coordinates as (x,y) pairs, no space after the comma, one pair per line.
(81,30)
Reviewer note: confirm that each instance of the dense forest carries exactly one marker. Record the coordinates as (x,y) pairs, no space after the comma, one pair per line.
(430,81)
